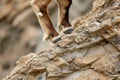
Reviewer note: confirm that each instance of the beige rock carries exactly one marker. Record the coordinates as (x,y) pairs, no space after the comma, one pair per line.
(88,59)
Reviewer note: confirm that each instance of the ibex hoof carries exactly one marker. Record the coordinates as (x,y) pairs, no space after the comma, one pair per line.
(52,39)
(68,30)
(56,39)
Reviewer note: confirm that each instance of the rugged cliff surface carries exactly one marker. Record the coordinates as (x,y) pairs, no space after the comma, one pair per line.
(20,32)
(91,52)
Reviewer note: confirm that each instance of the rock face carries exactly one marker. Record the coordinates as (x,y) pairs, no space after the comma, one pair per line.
(20,32)
(91,52)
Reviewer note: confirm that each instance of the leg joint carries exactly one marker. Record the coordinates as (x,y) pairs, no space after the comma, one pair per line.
(43,9)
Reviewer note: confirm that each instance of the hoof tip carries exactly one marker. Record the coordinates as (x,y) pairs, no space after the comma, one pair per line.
(56,39)
(67,30)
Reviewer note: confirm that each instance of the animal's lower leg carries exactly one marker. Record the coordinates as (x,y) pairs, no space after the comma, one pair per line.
(64,23)
(40,8)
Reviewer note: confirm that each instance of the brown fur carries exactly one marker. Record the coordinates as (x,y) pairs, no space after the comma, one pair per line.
(40,8)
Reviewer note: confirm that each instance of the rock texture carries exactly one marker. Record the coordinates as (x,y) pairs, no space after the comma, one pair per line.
(91,52)
(20,32)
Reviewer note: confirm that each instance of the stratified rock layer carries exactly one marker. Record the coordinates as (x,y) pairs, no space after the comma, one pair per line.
(91,52)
